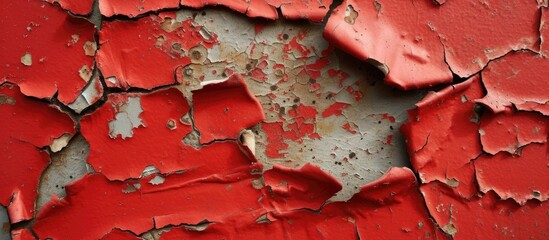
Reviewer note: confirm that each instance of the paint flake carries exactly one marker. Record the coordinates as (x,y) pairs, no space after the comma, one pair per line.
(26,126)
(517,80)
(38,31)
(510,131)
(131,56)
(442,140)
(222,110)
(521,177)
(422,48)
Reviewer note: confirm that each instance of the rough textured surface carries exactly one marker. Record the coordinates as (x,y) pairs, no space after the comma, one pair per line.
(206,123)
(422,43)
(442,136)
(27,126)
(43,50)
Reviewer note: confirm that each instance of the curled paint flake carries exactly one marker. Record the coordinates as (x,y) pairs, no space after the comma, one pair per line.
(416,45)
(442,140)
(290,189)
(26,125)
(33,40)
(134,8)
(81,7)
(223,109)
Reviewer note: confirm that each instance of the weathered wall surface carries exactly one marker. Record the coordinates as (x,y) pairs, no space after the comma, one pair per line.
(288,119)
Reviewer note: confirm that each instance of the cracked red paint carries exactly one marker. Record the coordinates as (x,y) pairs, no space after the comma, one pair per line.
(22,234)
(146,53)
(43,49)
(26,126)
(485,217)
(177,188)
(134,8)
(180,199)
(222,110)
(117,234)
(525,183)
(80,7)
(290,189)
(510,131)
(370,214)
(442,136)
(291,9)
(421,42)
(517,80)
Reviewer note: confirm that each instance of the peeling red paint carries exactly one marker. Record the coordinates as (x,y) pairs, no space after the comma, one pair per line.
(334,109)
(81,7)
(42,49)
(146,53)
(179,199)
(26,126)
(22,234)
(134,8)
(291,9)
(485,217)
(290,189)
(517,80)
(442,136)
(222,110)
(370,214)
(510,131)
(117,234)
(421,41)
(521,177)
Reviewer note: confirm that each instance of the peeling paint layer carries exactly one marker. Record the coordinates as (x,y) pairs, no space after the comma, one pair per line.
(80,7)
(27,126)
(520,177)
(423,43)
(485,216)
(370,214)
(442,136)
(52,40)
(179,199)
(146,52)
(510,131)
(222,110)
(517,80)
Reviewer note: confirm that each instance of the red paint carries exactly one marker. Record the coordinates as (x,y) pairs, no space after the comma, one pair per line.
(334,109)
(117,234)
(347,127)
(521,177)
(275,139)
(142,54)
(55,43)
(370,214)
(26,126)
(485,216)
(291,189)
(416,39)
(222,110)
(134,8)
(442,139)
(517,79)
(22,234)
(180,199)
(510,131)
(82,7)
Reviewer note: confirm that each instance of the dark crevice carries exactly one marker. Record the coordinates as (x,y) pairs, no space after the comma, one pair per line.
(334,5)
